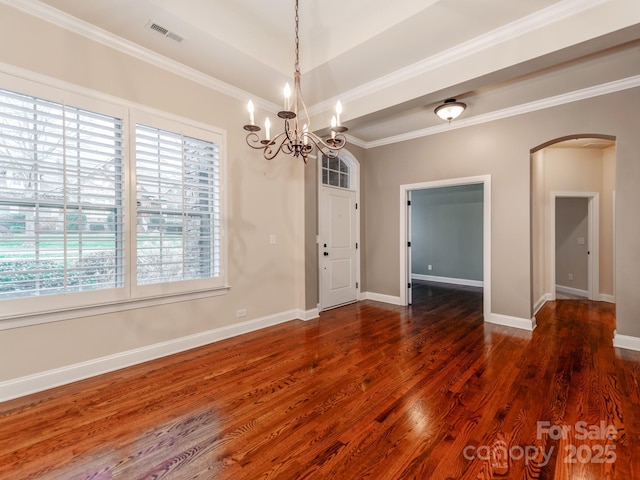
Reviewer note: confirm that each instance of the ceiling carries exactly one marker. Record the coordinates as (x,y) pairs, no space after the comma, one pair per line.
(390,63)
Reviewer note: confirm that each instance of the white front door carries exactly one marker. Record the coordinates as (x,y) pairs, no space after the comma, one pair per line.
(337,247)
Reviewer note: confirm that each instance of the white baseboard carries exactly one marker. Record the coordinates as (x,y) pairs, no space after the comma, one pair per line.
(380,297)
(508,321)
(572,291)
(626,341)
(453,281)
(604,297)
(307,315)
(61,376)
(547,297)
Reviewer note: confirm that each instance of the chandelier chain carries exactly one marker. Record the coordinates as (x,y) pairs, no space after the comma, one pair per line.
(296,141)
(297,65)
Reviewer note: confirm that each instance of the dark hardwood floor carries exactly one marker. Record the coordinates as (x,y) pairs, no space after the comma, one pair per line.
(367,391)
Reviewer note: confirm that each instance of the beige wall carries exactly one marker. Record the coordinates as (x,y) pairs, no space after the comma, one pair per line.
(501,149)
(607,222)
(263,198)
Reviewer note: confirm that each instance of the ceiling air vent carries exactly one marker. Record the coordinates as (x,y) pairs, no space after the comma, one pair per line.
(165,32)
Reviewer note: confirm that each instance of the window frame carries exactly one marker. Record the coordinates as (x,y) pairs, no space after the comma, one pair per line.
(190,129)
(37,309)
(339,172)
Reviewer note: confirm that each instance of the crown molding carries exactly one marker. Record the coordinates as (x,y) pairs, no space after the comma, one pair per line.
(80,27)
(544,17)
(585,93)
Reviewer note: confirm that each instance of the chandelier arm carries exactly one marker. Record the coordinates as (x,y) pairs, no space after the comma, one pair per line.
(330,147)
(253,140)
(288,131)
(272,148)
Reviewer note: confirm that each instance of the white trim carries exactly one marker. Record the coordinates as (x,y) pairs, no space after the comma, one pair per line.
(604,297)
(572,291)
(486,254)
(452,281)
(626,341)
(72,373)
(547,297)
(515,322)
(381,297)
(409,257)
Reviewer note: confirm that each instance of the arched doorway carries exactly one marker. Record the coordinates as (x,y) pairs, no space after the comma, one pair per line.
(573,167)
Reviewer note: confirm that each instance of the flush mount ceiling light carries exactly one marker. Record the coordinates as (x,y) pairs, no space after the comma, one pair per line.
(450,109)
(296,140)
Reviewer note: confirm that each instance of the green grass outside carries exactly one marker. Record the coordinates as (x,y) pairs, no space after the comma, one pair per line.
(52,245)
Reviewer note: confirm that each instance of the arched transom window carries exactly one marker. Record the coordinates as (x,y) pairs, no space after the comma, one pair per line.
(335,172)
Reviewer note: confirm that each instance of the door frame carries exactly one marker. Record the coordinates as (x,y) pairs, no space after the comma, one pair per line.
(405,190)
(354,183)
(593,259)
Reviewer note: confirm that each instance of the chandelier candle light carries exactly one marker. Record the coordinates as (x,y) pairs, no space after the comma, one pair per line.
(294,140)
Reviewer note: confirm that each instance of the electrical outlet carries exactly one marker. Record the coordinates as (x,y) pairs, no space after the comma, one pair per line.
(241,313)
(571,277)
(430,267)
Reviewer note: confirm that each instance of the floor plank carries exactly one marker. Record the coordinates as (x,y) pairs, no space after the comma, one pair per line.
(367,391)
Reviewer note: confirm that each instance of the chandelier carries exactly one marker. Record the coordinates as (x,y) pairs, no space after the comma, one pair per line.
(294,140)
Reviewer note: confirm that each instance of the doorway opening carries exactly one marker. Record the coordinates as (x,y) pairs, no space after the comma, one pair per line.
(406,270)
(575,254)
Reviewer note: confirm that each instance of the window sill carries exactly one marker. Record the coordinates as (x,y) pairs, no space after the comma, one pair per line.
(106,308)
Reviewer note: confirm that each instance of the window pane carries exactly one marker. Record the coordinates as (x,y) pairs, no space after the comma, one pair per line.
(344,180)
(178,207)
(61,189)
(334,178)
